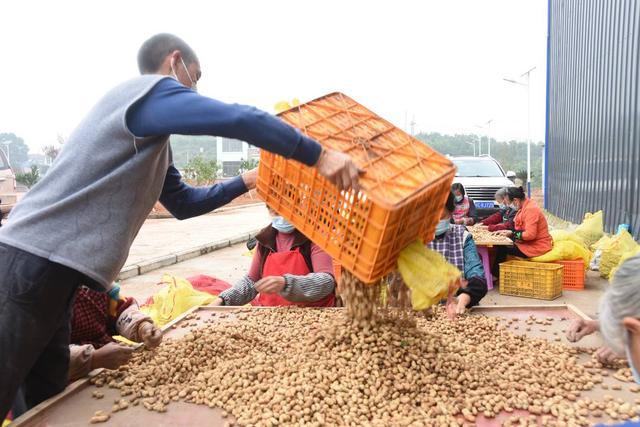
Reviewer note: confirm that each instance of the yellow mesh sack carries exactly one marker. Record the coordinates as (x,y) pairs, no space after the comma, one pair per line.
(592,228)
(620,245)
(566,250)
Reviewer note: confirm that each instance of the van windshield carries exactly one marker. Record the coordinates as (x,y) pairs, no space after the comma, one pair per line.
(477,168)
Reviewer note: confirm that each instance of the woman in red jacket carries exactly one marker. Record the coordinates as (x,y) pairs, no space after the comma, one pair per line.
(530,232)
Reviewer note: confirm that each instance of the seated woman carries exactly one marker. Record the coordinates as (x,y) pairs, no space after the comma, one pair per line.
(620,314)
(503,219)
(287,269)
(96,318)
(530,231)
(465,209)
(455,244)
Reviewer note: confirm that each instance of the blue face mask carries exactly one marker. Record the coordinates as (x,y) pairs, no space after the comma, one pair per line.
(459,199)
(282,225)
(502,206)
(442,227)
(634,372)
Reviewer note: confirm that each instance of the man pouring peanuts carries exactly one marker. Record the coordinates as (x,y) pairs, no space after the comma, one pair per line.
(77,225)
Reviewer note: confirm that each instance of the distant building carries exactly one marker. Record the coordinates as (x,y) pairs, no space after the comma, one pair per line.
(231,153)
(38,159)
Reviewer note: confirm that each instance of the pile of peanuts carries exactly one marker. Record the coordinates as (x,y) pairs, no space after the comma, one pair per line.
(363,367)
(482,235)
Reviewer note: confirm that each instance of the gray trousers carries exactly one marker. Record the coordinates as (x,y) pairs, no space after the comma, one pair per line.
(36,297)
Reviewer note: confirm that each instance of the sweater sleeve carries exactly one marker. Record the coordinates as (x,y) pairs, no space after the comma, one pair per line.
(184,201)
(171,108)
(308,288)
(473,213)
(80,358)
(508,225)
(243,292)
(129,321)
(494,219)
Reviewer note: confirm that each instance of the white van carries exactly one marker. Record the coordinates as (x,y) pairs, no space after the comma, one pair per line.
(482,177)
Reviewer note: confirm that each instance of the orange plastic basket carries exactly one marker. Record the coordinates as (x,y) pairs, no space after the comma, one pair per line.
(405,186)
(574,275)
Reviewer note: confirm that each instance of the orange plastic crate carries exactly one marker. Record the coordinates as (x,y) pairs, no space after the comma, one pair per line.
(337,271)
(405,186)
(574,275)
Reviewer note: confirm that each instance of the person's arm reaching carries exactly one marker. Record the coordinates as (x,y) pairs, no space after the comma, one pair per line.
(473,213)
(508,225)
(138,327)
(494,219)
(184,201)
(170,108)
(243,292)
(80,357)
(308,288)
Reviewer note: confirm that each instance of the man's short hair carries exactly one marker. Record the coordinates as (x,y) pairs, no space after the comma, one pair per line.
(155,50)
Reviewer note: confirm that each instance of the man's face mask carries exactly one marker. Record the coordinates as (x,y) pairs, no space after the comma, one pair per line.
(194,84)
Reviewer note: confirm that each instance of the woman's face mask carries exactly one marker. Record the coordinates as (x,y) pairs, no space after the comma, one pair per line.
(282,225)
(443,226)
(459,199)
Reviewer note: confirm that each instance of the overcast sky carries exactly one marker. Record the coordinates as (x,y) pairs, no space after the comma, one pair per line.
(438,62)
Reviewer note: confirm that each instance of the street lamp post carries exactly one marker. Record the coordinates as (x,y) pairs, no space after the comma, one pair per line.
(474,147)
(487,128)
(526,84)
(489,137)
(6,145)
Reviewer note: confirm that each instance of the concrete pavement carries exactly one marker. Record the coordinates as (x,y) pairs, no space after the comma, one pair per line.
(163,242)
(228,264)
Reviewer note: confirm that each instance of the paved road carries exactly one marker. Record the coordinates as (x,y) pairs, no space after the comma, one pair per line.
(159,237)
(228,264)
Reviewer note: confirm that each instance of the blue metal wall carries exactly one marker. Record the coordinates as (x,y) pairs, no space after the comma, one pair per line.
(593,132)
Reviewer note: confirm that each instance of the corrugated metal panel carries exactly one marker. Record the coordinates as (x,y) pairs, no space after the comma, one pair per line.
(592,142)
